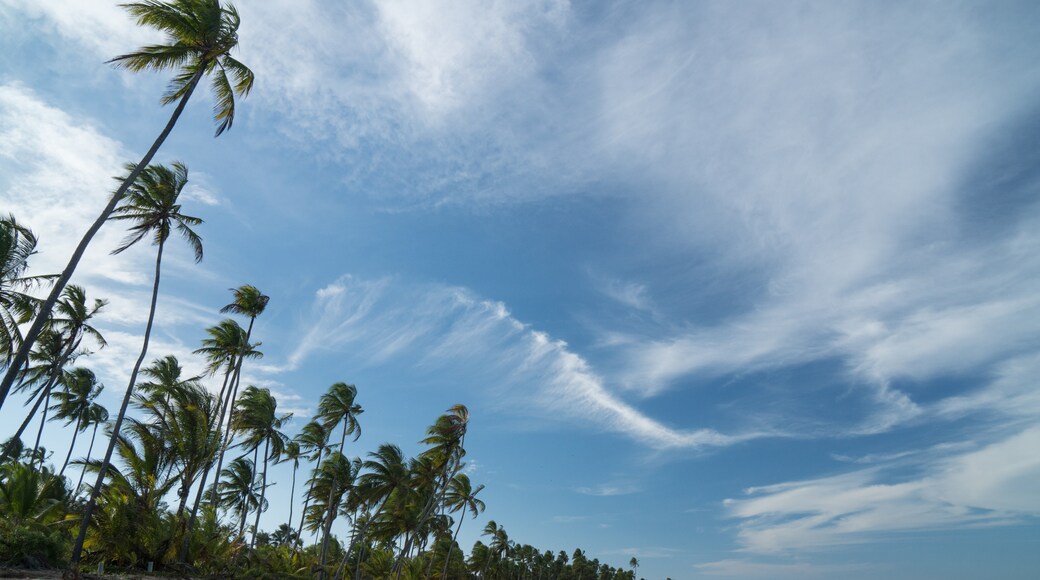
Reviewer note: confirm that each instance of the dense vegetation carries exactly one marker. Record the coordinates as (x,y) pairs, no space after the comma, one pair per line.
(178,478)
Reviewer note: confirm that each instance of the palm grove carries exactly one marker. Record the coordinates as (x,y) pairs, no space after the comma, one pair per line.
(178,477)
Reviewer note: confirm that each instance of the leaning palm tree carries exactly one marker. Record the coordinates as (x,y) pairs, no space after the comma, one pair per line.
(200,35)
(337,406)
(314,440)
(74,403)
(226,342)
(447,437)
(248,301)
(151,207)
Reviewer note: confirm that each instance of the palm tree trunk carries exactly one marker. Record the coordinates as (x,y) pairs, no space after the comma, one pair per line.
(43,420)
(79,422)
(88,510)
(292,495)
(263,493)
(89,450)
(332,509)
(43,315)
(307,498)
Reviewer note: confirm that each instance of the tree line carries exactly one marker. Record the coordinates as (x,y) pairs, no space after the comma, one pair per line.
(168,442)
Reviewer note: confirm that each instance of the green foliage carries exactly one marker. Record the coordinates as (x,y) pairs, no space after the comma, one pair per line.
(33,546)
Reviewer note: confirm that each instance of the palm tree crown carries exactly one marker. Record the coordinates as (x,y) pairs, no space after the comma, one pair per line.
(151,203)
(200,37)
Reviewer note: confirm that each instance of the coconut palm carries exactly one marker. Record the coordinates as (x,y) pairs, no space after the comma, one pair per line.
(222,348)
(96,415)
(17,244)
(313,439)
(292,452)
(337,406)
(461,497)
(258,422)
(386,473)
(200,35)
(28,494)
(248,301)
(151,207)
(74,403)
(237,491)
(446,438)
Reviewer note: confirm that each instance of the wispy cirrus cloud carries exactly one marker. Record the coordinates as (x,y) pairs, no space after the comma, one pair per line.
(433,326)
(990,485)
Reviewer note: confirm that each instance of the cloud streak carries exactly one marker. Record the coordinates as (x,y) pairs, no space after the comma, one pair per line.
(433,326)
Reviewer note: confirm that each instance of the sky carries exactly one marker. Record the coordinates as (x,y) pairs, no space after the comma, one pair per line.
(741,289)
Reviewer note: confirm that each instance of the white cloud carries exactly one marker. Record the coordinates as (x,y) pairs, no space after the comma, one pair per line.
(433,326)
(102,27)
(609,489)
(752,569)
(992,485)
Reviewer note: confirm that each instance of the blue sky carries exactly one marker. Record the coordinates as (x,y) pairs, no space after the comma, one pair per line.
(743,289)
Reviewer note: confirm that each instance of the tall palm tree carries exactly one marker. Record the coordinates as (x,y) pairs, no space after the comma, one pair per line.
(248,301)
(337,406)
(96,415)
(225,344)
(151,207)
(259,423)
(17,244)
(446,438)
(314,440)
(292,452)
(75,402)
(461,497)
(200,35)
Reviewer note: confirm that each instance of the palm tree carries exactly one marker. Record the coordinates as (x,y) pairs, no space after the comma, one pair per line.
(386,473)
(226,342)
(335,406)
(238,492)
(257,420)
(151,206)
(75,402)
(634,564)
(446,438)
(200,37)
(95,416)
(17,244)
(292,452)
(313,439)
(248,301)
(461,497)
